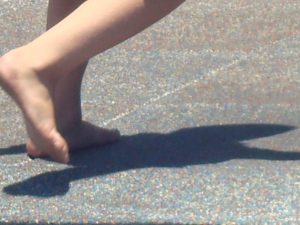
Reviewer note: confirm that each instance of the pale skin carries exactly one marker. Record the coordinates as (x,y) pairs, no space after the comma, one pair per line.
(78,134)
(44,76)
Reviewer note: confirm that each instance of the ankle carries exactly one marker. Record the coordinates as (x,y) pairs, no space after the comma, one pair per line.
(68,124)
(11,66)
(24,59)
(16,62)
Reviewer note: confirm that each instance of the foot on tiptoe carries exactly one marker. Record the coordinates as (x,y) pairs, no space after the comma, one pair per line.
(31,92)
(82,136)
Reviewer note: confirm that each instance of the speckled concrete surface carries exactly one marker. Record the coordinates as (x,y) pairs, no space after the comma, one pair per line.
(208,102)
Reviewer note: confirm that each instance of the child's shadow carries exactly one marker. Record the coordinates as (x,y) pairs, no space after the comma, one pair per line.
(185,147)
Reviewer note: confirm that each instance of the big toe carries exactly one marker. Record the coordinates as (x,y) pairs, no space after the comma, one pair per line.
(60,150)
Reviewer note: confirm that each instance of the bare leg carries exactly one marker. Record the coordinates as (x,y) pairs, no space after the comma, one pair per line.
(92,28)
(67,102)
(67,90)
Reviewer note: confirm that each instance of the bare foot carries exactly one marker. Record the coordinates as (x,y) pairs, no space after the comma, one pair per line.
(84,135)
(31,92)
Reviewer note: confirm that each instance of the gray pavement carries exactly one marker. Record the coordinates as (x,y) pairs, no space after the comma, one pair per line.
(208,102)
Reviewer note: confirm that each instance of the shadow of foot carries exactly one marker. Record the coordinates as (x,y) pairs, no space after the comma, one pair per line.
(185,147)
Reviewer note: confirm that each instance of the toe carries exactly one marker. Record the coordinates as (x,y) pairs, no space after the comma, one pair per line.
(60,151)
